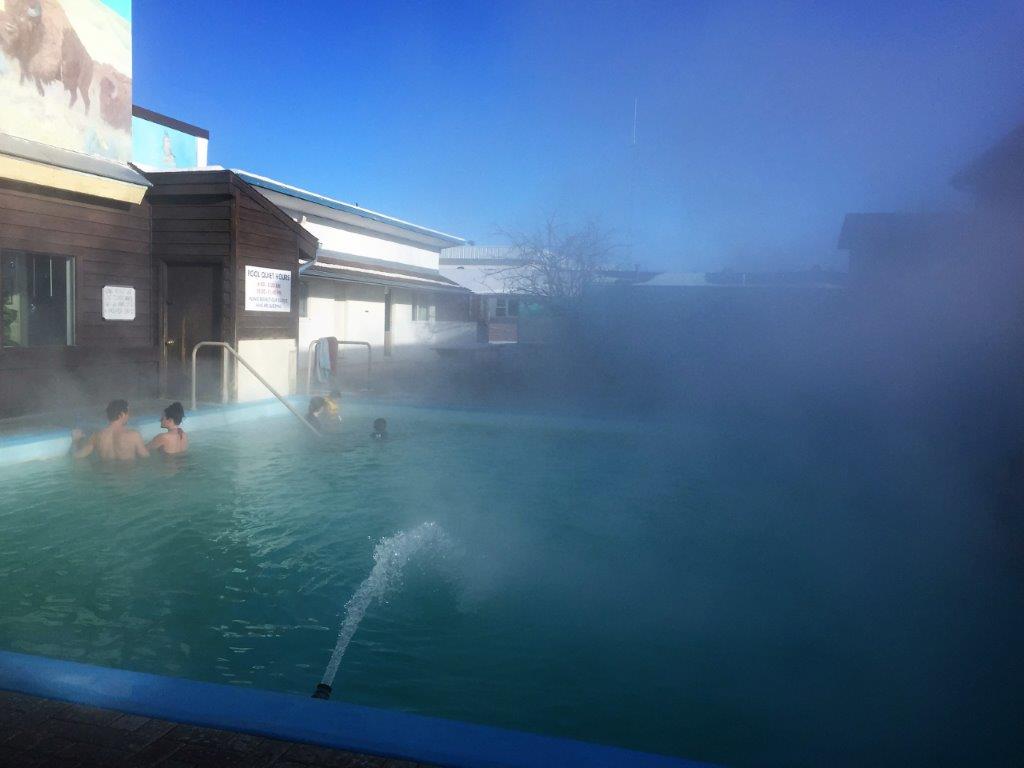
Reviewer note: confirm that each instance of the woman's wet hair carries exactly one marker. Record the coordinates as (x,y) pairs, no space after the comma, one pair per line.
(315,404)
(175,412)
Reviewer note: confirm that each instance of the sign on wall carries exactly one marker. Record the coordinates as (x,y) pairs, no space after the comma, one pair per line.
(118,302)
(268,290)
(66,74)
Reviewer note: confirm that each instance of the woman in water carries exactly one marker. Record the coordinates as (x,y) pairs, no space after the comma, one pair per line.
(174,440)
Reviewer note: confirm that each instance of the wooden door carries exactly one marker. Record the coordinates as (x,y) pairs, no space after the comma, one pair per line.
(191,315)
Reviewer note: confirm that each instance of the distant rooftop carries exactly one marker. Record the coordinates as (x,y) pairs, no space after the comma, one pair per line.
(729,279)
(480,254)
(999,171)
(491,279)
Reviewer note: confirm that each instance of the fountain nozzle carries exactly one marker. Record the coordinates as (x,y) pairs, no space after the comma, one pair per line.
(323,691)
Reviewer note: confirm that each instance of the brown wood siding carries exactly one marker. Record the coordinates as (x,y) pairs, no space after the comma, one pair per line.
(213,217)
(191,215)
(265,238)
(109,245)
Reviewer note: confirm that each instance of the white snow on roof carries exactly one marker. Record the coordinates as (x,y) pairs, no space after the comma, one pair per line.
(677,279)
(376,273)
(316,197)
(480,278)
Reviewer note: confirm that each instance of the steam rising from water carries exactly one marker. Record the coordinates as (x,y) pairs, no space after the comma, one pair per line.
(389,558)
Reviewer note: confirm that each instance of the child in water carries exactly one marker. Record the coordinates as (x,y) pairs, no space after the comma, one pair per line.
(380,429)
(323,414)
(174,440)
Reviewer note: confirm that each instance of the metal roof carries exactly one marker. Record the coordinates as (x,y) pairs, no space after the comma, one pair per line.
(483,280)
(338,205)
(337,266)
(480,254)
(72,161)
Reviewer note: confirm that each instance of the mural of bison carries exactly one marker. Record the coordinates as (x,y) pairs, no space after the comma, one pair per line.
(38,35)
(115,93)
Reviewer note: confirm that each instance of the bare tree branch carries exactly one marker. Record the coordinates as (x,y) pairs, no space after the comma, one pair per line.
(556,264)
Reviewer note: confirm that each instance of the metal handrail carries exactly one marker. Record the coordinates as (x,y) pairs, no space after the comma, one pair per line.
(253,371)
(309,358)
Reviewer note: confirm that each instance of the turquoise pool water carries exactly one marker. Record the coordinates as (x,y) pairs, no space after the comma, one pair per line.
(733,594)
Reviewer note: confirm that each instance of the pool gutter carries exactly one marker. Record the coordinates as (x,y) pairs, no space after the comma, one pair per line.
(295,718)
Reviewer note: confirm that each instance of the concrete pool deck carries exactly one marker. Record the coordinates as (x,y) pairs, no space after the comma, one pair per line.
(44,732)
(38,689)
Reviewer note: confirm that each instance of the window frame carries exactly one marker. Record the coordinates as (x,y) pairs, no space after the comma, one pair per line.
(422,305)
(506,306)
(70,297)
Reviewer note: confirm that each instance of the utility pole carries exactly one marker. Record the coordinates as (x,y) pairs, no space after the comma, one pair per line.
(631,202)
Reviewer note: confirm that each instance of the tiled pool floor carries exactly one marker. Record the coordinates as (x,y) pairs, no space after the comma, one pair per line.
(37,732)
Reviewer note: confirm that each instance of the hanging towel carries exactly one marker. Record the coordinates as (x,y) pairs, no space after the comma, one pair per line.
(322,350)
(332,343)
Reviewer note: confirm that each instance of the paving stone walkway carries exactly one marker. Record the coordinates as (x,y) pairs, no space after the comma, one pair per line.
(42,733)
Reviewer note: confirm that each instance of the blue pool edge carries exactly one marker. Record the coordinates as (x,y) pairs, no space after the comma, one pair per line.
(325,723)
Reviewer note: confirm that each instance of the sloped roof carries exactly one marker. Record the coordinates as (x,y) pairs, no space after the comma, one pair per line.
(333,265)
(330,203)
(677,279)
(487,280)
(998,171)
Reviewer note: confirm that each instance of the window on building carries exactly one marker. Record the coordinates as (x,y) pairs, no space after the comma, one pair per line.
(37,299)
(424,309)
(506,307)
(303,299)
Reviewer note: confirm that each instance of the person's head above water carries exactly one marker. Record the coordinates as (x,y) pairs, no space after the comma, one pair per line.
(380,427)
(174,414)
(117,410)
(316,404)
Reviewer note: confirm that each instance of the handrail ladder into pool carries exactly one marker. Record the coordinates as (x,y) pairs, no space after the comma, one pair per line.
(227,347)
(309,359)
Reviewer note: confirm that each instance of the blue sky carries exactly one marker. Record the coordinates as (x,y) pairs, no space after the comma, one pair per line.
(759,124)
(121,7)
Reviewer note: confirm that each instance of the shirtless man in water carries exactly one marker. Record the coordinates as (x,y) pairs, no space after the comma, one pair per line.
(115,442)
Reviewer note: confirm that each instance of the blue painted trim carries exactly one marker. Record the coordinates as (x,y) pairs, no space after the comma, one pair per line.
(294,718)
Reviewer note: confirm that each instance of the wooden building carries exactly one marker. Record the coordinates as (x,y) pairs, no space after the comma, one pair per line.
(185,256)
(69,226)
(214,236)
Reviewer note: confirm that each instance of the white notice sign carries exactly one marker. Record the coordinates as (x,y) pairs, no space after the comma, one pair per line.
(268,290)
(118,302)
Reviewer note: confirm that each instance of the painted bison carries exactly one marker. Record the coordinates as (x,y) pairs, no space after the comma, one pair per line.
(38,35)
(115,94)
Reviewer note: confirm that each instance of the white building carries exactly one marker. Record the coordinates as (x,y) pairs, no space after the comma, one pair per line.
(376,280)
(491,273)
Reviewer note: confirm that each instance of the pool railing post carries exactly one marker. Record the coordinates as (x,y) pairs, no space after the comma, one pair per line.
(227,348)
(225,361)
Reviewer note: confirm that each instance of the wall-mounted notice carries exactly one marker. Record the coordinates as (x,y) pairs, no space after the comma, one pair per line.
(118,302)
(268,290)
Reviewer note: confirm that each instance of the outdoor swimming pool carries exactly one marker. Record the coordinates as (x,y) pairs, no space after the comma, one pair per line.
(731,594)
